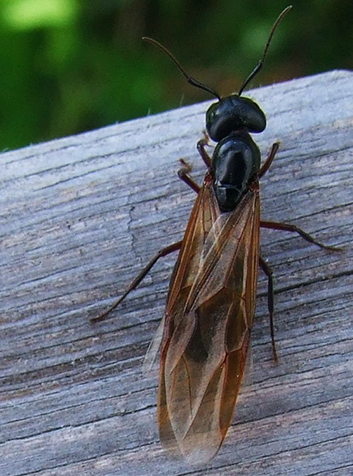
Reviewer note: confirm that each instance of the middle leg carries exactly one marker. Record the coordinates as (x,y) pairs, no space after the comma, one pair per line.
(273,225)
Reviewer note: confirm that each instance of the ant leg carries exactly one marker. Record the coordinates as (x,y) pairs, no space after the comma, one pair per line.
(269,159)
(184,172)
(202,143)
(163,252)
(184,175)
(270,299)
(273,225)
(285,226)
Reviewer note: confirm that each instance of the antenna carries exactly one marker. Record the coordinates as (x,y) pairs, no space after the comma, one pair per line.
(189,79)
(262,60)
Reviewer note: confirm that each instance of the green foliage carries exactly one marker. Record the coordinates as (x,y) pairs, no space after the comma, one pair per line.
(73,65)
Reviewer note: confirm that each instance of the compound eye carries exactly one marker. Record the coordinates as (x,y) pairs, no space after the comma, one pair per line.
(217,120)
(211,118)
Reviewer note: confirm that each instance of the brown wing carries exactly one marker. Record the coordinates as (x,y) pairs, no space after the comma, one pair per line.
(209,317)
(202,218)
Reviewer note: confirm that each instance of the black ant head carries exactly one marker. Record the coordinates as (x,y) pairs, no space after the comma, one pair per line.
(233,113)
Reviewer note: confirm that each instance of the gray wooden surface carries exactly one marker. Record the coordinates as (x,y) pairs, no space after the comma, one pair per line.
(81,215)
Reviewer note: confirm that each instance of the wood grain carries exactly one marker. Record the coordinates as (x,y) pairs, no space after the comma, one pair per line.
(79,218)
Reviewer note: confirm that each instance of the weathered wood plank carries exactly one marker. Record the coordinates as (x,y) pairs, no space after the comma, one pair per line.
(81,215)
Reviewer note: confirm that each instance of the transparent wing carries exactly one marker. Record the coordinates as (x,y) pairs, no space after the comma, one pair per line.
(202,218)
(208,323)
(150,360)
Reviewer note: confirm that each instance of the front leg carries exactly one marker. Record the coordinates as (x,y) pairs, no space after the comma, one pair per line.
(202,143)
(184,175)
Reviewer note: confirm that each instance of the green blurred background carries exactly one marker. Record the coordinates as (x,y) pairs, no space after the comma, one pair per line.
(69,66)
